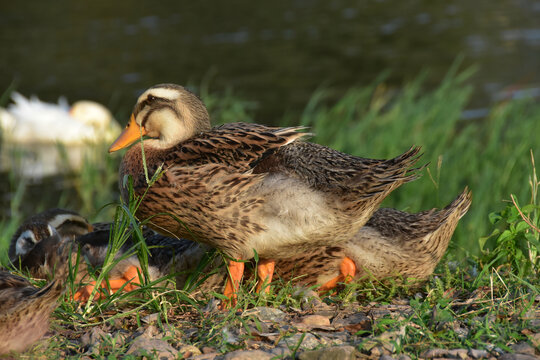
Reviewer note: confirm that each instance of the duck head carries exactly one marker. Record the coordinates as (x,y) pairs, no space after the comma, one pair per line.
(167,114)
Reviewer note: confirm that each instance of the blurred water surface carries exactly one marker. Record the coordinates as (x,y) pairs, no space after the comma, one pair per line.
(275,54)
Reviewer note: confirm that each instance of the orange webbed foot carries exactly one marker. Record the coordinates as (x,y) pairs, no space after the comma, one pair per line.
(128,282)
(236,271)
(265,271)
(347,271)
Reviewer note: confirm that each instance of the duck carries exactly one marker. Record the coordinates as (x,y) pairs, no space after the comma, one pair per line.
(67,223)
(34,249)
(32,130)
(393,244)
(25,309)
(246,188)
(168,256)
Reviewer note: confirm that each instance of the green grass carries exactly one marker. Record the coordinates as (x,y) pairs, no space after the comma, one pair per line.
(481,294)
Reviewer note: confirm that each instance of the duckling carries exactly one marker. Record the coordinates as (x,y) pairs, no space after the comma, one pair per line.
(166,256)
(392,243)
(243,187)
(67,223)
(25,309)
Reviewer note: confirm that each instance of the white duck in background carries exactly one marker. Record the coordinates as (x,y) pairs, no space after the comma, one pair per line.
(32,131)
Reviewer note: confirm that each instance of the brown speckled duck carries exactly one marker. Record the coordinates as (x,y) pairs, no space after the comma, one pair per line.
(392,243)
(25,309)
(244,187)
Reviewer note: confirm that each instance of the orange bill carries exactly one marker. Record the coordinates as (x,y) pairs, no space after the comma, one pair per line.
(131,133)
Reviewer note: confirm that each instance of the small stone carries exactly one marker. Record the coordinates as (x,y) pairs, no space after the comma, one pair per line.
(308,341)
(208,350)
(478,354)
(266,314)
(94,336)
(509,356)
(281,352)
(331,353)
(248,355)
(523,348)
(386,357)
(160,349)
(149,319)
(205,356)
(403,357)
(314,322)
(190,350)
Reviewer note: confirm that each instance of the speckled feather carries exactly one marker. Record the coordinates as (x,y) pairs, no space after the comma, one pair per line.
(392,243)
(25,309)
(225,185)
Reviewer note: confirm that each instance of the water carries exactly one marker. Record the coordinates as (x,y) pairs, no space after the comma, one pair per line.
(276,55)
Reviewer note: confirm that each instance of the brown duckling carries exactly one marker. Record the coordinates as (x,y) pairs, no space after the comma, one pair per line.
(25,309)
(166,256)
(67,223)
(244,187)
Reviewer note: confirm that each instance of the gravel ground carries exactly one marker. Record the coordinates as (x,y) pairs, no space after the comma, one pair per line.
(316,331)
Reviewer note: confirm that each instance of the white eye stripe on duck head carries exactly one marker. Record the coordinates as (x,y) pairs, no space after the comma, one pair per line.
(25,242)
(157,97)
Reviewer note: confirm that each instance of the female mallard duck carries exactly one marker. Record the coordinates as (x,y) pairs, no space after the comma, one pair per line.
(243,188)
(25,309)
(392,243)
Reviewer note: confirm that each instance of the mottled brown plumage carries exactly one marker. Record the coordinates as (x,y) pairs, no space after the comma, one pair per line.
(25,309)
(392,243)
(245,187)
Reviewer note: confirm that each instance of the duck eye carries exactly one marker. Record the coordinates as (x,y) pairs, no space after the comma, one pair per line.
(151,98)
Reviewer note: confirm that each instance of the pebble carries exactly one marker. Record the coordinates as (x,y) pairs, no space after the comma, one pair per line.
(248,355)
(330,353)
(523,348)
(190,350)
(142,346)
(149,319)
(266,314)
(94,336)
(308,342)
(211,356)
(314,322)
(518,357)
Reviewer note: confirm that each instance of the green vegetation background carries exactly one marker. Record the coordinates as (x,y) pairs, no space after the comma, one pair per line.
(490,155)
